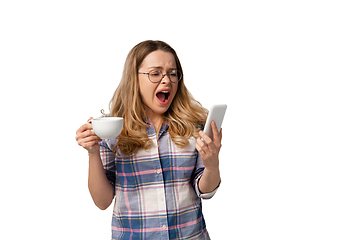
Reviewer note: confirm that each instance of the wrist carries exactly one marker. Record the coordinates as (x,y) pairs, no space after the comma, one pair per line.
(209,180)
(93,152)
(212,171)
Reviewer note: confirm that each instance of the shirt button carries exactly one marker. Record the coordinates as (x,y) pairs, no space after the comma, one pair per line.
(164,227)
(158,171)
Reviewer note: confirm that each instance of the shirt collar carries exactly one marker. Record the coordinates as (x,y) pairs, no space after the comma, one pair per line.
(151,130)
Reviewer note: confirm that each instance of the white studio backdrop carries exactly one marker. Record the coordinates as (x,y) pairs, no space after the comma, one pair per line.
(288,70)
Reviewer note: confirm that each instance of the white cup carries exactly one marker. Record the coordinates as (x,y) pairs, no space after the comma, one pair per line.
(107,127)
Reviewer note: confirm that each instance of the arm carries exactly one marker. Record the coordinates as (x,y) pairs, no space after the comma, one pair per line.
(209,181)
(209,153)
(100,188)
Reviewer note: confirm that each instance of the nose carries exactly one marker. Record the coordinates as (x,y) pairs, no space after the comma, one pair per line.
(165,79)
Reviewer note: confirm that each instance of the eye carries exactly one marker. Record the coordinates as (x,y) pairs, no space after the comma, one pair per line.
(173,73)
(155,73)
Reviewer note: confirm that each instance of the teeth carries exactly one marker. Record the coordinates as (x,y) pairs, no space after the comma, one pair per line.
(165,91)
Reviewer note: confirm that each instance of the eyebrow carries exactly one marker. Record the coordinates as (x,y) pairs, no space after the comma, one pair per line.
(159,67)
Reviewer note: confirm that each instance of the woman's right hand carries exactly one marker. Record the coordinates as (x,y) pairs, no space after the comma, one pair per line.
(87,138)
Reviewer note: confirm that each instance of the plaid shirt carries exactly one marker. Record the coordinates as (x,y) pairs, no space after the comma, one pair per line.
(157,196)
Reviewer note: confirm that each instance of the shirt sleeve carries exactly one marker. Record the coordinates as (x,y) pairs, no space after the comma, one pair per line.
(108,160)
(197,175)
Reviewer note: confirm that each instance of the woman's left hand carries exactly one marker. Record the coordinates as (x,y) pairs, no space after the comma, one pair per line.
(209,152)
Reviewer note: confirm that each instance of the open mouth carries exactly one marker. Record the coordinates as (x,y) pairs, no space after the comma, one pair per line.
(163,96)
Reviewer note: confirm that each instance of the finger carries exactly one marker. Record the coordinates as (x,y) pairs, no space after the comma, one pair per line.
(92,138)
(202,147)
(215,132)
(90,141)
(90,123)
(84,127)
(79,132)
(205,137)
(86,134)
(90,145)
(200,142)
(199,149)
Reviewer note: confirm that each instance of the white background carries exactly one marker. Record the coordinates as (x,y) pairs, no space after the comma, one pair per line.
(288,70)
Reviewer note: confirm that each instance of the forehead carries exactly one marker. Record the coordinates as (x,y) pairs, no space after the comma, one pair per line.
(159,59)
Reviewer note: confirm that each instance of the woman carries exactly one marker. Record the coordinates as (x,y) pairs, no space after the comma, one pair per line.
(159,167)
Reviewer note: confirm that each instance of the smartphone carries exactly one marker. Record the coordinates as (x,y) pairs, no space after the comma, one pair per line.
(216,113)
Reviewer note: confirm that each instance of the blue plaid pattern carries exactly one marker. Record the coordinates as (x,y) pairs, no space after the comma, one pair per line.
(157,195)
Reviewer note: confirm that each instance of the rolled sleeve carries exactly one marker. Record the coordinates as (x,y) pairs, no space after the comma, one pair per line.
(197,175)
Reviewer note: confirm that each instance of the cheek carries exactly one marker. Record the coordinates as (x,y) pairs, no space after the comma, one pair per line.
(175,88)
(146,91)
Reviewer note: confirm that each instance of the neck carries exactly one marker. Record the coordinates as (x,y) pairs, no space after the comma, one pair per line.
(155,118)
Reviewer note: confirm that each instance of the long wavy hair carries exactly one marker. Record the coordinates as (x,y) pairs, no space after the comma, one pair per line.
(184,115)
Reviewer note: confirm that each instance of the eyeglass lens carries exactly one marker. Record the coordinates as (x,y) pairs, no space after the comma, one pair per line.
(156,76)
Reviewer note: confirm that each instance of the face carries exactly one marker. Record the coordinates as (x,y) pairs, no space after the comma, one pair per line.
(157,97)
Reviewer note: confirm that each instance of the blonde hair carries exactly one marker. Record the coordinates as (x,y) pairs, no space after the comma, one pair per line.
(184,115)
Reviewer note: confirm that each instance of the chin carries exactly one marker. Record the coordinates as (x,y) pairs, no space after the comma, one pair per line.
(159,107)
(161,110)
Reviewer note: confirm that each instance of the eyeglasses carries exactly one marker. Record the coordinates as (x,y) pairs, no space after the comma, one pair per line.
(156,76)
